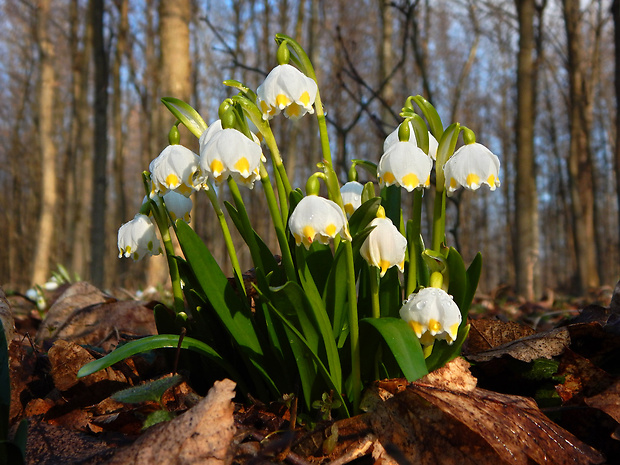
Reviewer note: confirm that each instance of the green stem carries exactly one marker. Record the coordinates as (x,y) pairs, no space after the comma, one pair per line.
(320,116)
(413,237)
(278,224)
(232,253)
(439,220)
(356,381)
(161,219)
(374,292)
(282,183)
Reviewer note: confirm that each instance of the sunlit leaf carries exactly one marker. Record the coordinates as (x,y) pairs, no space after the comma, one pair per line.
(186,115)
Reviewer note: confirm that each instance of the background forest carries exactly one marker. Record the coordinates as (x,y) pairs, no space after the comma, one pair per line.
(81,118)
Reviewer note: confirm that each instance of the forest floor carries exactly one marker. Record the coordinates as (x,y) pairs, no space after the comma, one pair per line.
(538,383)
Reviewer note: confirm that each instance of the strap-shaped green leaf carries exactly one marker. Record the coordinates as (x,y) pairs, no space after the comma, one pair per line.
(403,344)
(186,115)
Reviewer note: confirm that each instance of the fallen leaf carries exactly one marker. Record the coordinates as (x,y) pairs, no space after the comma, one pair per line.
(201,436)
(546,344)
(581,377)
(608,401)
(485,334)
(431,423)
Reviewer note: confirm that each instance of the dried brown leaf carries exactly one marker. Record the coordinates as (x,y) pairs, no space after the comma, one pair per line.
(608,401)
(201,436)
(485,334)
(546,344)
(431,423)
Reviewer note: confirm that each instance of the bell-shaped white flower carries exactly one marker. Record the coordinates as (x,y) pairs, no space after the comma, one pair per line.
(393,138)
(138,238)
(385,246)
(286,88)
(471,166)
(406,165)
(178,205)
(351,194)
(315,217)
(432,314)
(176,168)
(228,152)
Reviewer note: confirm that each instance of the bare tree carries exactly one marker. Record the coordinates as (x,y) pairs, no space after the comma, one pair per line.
(526,195)
(580,155)
(47,81)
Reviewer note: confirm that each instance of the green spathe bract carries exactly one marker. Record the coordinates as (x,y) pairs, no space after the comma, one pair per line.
(316,321)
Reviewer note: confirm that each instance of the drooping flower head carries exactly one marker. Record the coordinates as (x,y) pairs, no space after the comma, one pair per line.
(432,314)
(471,166)
(176,168)
(315,217)
(393,138)
(286,88)
(227,152)
(351,196)
(385,246)
(178,205)
(406,165)
(138,238)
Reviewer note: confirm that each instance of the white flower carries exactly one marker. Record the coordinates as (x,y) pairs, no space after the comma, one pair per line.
(471,166)
(406,165)
(432,314)
(138,238)
(351,196)
(286,88)
(228,152)
(393,138)
(178,205)
(385,246)
(176,167)
(315,217)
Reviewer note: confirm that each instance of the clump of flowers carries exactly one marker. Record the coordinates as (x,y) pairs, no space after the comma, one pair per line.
(354,295)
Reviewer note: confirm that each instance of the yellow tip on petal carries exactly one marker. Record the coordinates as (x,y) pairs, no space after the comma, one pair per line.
(309,232)
(349,209)
(410,180)
(282,100)
(243,165)
(434,325)
(384,265)
(388,177)
(305,98)
(454,328)
(216,167)
(491,180)
(417,328)
(330,230)
(172,180)
(472,179)
(453,183)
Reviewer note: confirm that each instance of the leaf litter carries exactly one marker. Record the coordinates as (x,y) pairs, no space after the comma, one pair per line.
(517,396)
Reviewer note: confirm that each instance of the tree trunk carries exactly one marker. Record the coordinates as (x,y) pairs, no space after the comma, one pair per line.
(175,81)
(526,202)
(47,81)
(98,207)
(580,155)
(615,9)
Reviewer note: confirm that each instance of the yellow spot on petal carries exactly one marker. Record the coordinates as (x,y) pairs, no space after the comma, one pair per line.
(309,233)
(472,179)
(428,181)
(454,328)
(184,189)
(330,230)
(216,167)
(243,165)
(401,265)
(417,328)
(453,183)
(349,209)
(305,98)
(384,265)
(172,180)
(491,180)
(150,244)
(434,325)
(427,339)
(136,256)
(388,177)
(297,239)
(128,250)
(410,180)
(293,110)
(282,100)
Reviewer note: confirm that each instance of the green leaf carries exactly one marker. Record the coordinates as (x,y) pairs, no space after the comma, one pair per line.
(443,352)
(421,132)
(403,344)
(161,341)
(186,115)
(365,213)
(473,277)
(158,416)
(431,115)
(151,391)
(228,305)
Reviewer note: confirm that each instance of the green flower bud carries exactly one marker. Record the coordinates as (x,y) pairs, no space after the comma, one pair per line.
(283,55)
(404,132)
(469,137)
(313,185)
(227,115)
(174,138)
